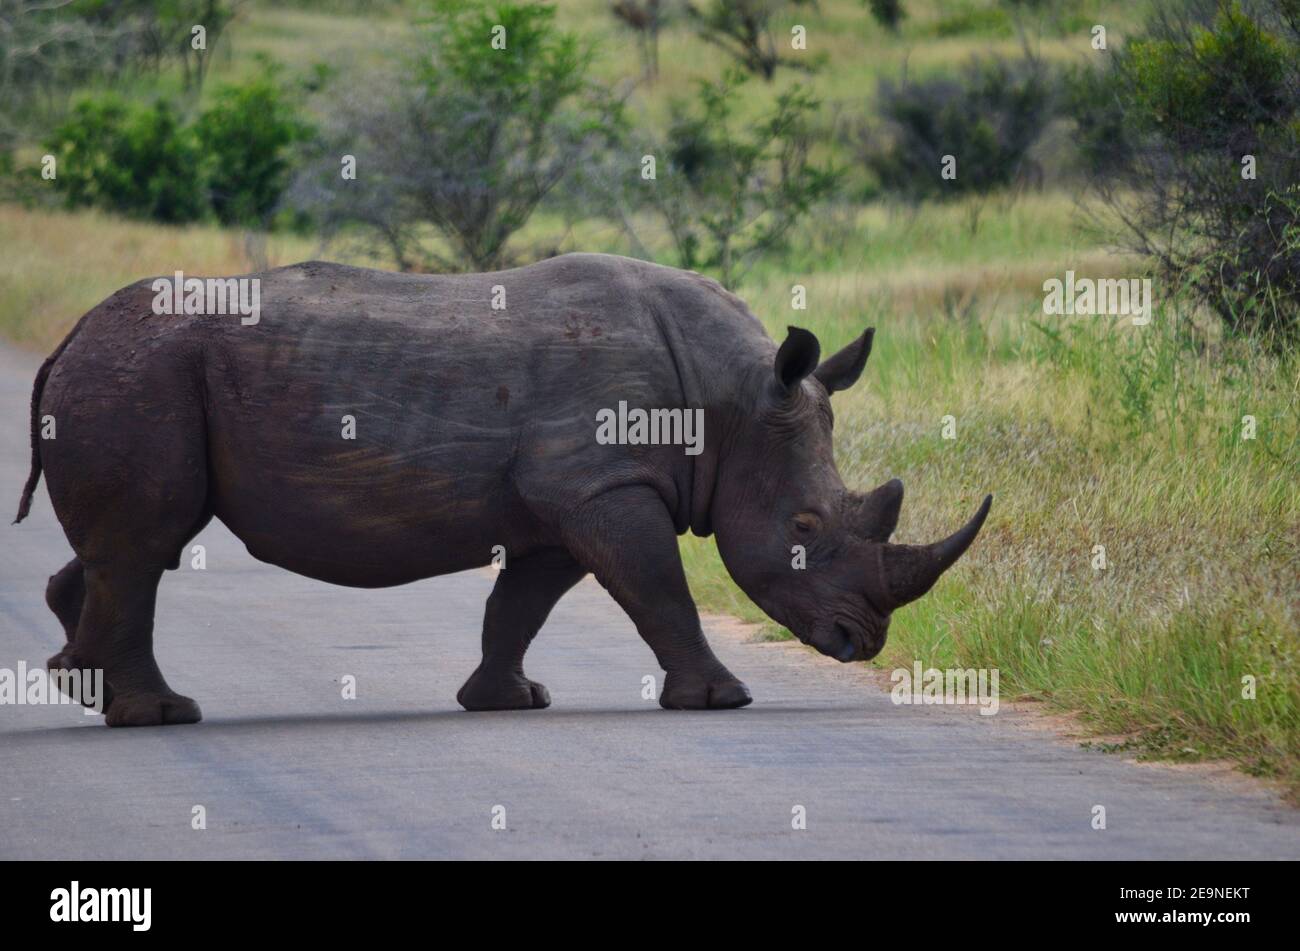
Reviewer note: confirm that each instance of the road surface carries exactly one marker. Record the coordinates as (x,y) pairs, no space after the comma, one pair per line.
(283,766)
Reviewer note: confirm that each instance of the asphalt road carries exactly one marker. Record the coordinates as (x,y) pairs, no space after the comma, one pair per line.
(284,766)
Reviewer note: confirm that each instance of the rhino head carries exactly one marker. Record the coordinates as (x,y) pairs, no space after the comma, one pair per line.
(778,488)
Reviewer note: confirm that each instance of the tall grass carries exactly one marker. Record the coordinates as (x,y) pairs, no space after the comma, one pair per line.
(1090,432)
(57,265)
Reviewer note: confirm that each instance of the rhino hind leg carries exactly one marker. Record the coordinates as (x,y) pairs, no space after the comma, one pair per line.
(130,488)
(65,595)
(524,594)
(115,634)
(626,538)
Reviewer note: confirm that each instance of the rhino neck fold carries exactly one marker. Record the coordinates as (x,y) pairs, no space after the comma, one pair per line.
(716,362)
(696,480)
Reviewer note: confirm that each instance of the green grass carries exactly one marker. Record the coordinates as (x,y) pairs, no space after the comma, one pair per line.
(57,264)
(1089,432)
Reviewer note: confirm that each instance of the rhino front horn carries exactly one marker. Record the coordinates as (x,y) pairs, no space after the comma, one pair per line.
(909,571)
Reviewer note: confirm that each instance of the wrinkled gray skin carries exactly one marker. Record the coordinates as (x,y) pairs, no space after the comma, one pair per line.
(474,428)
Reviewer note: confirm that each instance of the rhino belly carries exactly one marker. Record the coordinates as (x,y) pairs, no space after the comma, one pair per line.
(358,479)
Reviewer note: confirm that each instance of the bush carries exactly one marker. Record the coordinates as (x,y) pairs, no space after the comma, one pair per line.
(1102,134)
(988,118)
(145,161)
(247,136)
(136,160)
(1204,87)
(732,191)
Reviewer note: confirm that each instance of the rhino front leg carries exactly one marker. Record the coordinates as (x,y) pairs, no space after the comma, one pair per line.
(625,537)
(526,590)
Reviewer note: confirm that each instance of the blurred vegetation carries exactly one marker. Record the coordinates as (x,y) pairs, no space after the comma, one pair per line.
(731,194)
(144,161)
(248,135)
(987,118)
(130,158)
(465,140)
(1089,430)
(1208,185)
(746,30)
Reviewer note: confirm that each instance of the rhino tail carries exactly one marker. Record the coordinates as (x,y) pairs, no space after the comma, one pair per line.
(34,476)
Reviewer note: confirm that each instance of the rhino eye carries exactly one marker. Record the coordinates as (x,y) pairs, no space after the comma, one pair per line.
(806,523)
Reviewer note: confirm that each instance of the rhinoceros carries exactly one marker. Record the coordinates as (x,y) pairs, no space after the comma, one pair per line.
(371,429)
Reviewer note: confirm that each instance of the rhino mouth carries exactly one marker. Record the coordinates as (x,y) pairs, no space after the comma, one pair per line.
(856,641)
(844,639)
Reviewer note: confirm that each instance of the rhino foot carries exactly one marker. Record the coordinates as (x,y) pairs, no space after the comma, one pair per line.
(128,709)
(66,661)
(689,691)
(152,709)
(487,690)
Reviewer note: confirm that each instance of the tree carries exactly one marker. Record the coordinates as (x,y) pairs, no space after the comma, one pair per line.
(743,28)
(733,190)
(1208,172)
(644,17)
(470,140)
(153,32)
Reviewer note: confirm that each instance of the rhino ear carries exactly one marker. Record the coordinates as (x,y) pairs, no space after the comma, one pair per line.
(842,370)
(796,358)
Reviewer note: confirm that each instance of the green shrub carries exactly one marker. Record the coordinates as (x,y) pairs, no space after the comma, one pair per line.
(1210,99)
(1191,86)
(987,118)
(136,160)
(1102,134)
(733,190)
(247,136)
(888,13)
(145,161)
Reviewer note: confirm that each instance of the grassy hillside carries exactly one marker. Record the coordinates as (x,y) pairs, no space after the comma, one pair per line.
(1089,431)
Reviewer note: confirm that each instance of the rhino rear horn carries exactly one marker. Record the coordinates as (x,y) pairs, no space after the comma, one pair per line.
(878,511)
(909,571)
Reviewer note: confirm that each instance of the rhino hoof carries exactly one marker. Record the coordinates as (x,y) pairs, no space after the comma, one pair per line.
(66,660)
(692,693)
(516,693)
(151,709)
